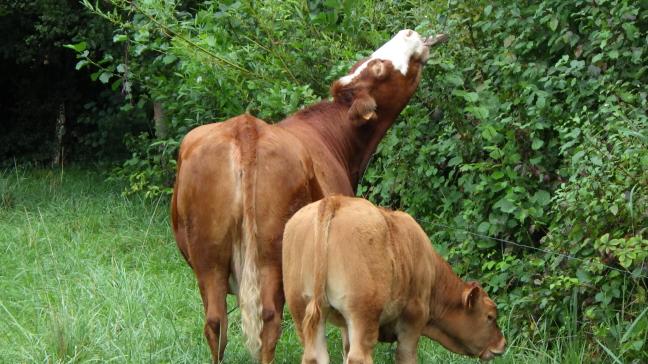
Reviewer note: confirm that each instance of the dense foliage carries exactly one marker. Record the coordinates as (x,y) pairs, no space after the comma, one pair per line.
(530,127)
(39,78)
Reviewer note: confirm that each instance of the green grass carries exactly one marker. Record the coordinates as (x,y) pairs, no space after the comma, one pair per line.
(89,275)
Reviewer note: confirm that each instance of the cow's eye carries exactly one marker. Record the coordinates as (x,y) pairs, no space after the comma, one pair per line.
(491,318)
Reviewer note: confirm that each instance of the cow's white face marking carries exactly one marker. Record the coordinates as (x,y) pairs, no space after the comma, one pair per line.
(398,50)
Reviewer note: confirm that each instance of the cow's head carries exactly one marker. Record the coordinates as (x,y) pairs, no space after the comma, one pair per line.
(469,328)
(381,85)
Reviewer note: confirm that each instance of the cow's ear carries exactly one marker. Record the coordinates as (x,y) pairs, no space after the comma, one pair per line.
(342,93)
(362,110)
(471,294)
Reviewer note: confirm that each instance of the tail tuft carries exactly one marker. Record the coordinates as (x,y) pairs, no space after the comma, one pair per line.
(312,317)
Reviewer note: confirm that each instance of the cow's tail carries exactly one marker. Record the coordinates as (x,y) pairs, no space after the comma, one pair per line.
(250,290)
(313,314)
(179,229)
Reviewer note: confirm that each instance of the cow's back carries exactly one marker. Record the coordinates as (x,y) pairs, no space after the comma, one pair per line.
(209,190)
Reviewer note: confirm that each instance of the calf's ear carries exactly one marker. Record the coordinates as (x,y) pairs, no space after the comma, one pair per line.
(470,295)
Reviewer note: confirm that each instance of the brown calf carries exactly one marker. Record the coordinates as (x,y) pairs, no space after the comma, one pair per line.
(374,273)
(240,180)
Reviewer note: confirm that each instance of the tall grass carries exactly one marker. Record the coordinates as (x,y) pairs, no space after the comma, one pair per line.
(87,275)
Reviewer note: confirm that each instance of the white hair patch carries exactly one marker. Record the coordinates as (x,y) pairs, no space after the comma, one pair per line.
(398,50)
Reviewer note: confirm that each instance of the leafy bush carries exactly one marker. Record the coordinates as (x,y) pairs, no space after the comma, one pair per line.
(529,127)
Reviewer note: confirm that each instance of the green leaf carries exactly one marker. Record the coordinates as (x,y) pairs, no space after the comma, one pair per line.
(169,58)
(483,227)
(553,24)
(119,38)
(115,85)
(485,244)
(505,205)
(630,30)
(471,97)
(614,209)
(82,63)
(597,58)
(453,79)
(537,143)
(604,238)
(495,152)
(478,112)
(577,157)
(542,197)
(105,77)
(454,161)
(489,133)
(79,47)
(583,276)
(596,160)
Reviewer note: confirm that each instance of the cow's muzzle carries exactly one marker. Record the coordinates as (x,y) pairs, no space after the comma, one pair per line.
(435,40)
(492,352)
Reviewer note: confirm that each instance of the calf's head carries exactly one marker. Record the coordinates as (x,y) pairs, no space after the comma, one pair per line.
(381,85)
(470,327)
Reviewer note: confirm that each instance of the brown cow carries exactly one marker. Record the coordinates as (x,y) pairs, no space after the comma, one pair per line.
(240,180)
(374,273)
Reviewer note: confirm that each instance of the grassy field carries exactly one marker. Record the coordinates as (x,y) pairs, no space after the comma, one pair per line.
(87,275)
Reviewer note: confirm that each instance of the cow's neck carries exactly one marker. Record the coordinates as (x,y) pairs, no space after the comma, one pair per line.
(351,145)
(447,290)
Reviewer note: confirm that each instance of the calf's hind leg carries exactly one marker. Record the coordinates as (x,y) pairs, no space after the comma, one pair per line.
(315,351)
(363,336)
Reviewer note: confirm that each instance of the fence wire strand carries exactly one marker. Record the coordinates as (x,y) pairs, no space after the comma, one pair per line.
(546,251)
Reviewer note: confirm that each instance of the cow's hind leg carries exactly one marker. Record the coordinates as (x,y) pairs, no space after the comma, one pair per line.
(210,258)
(272,300)
(213,289)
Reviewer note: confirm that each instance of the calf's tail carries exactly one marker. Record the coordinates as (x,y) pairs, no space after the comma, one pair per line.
(313,314)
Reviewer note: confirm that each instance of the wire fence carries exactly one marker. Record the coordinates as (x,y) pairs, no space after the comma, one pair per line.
(587,262)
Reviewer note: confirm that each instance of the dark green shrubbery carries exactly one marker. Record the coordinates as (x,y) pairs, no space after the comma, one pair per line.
(529,126)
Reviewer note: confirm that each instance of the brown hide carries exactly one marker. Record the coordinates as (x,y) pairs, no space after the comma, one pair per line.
(374,273)
(240,180)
